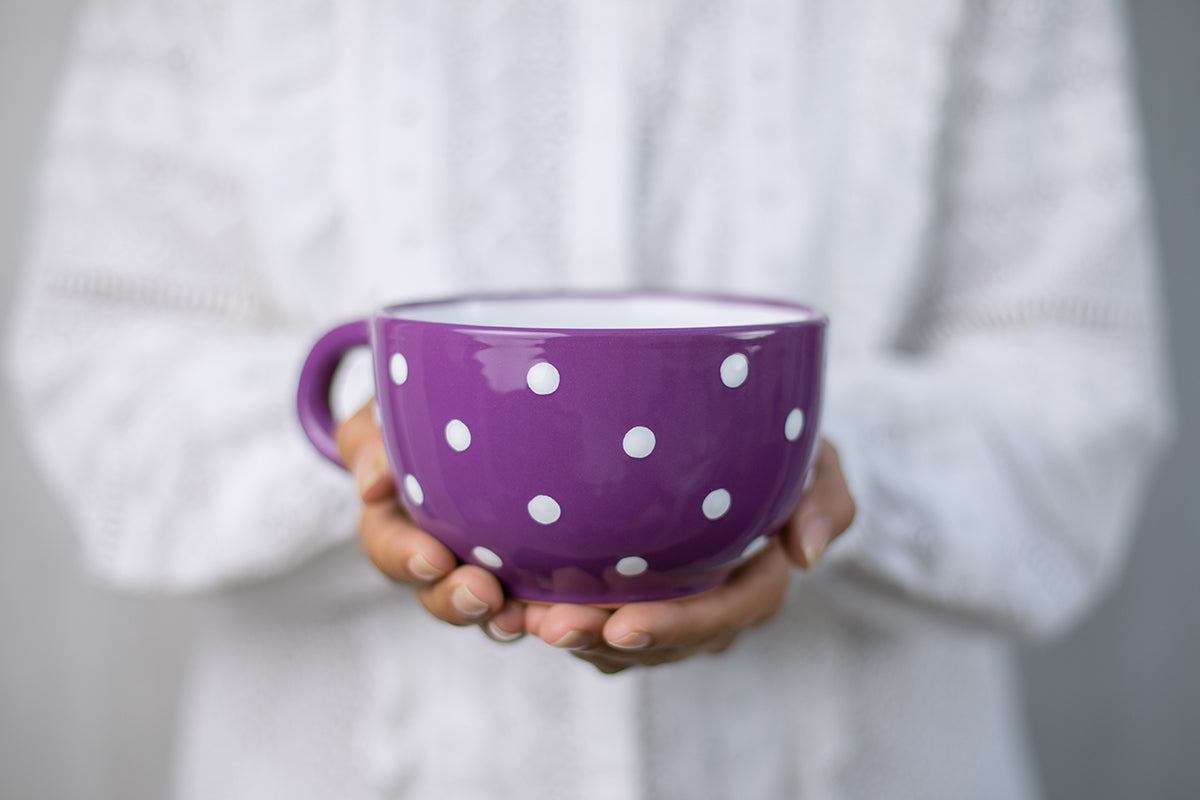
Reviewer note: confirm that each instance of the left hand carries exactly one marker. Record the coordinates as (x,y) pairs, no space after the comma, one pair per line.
(646,634)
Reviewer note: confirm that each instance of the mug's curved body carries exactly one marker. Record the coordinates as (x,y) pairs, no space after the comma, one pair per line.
(600,448)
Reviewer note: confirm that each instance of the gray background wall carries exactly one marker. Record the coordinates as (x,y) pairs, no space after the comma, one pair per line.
(87,678)
(1116,708)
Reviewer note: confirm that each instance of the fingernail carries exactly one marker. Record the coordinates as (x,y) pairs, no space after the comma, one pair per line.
(420,568)
(501,635)
(815,534)
(635,640)
(370,467)
(573,640)
(467,604)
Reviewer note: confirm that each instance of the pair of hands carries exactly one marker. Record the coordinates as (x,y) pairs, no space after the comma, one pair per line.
(637,634)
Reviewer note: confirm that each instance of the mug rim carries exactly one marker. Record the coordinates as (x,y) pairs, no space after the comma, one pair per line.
(805,315)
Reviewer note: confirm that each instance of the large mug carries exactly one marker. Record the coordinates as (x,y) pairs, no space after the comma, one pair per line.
(590,448)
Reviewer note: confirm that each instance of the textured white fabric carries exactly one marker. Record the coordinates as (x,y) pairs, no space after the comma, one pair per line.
(956,183)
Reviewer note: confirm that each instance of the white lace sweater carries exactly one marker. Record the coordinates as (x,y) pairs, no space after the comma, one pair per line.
(956,182)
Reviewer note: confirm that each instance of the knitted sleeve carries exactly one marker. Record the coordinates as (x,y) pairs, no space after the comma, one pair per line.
(999,457)
(153,369)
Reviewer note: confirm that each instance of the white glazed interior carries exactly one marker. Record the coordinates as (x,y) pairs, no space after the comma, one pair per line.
(604,312)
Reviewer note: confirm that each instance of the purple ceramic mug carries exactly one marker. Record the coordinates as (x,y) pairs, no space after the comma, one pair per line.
(590,448)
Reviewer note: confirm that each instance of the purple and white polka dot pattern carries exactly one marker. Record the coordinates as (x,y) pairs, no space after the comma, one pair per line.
(458,435)
(413,491)
(637,443)
(542,378)
(486,557)
(597,465)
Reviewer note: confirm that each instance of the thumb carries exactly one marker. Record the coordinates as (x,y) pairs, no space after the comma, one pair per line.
(825,512)
(360,444)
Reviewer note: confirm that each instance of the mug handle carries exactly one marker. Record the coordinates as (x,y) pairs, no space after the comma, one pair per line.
(316,383)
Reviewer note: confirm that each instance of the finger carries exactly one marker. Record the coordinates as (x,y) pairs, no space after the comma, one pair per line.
(360,444)
(608,661)
(508,624)
(468,595)
(573,627)
(753,594)
(825,512)
(401,550)
(534,614)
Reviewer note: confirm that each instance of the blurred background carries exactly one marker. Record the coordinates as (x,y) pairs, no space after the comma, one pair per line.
(88,678)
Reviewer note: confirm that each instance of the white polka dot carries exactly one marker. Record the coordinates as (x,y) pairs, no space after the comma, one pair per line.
(632,565)
(639,442)
(398,367)
(458,435)
(487,557)
(544,509)
(716,504)
(412,488)
(734,370)
(793,425)
(755,547)
(542,378)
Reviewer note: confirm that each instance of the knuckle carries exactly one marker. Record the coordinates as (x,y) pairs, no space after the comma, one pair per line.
(612,669)
(770,611)
(723,643)
(777,601)
(369,540)
(851,512)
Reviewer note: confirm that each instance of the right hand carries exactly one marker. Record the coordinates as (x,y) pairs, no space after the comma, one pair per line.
(455,593)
